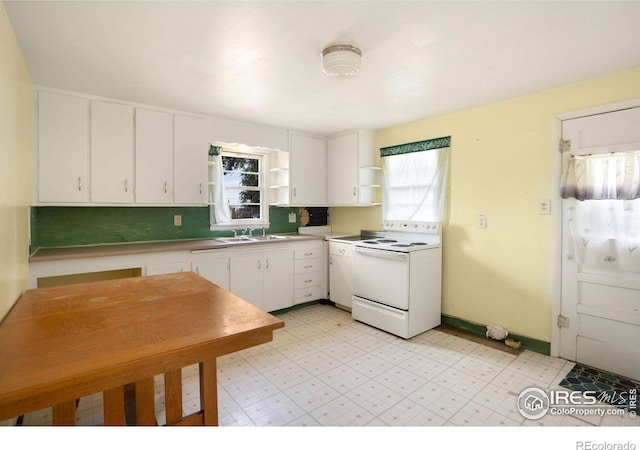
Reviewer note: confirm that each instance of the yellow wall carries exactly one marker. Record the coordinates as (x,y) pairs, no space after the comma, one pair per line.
(16,165)
(502,156)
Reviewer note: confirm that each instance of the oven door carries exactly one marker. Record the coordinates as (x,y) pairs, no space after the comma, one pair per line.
(381,276)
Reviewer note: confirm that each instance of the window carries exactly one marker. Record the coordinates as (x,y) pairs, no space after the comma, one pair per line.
(239,195)
(243,187)
(415,185)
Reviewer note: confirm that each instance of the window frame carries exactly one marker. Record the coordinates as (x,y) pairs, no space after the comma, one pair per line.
(263,221)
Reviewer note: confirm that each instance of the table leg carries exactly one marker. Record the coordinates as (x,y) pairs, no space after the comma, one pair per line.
(209,392)
(145,402)
(173,396)
(114,406)
(65,413)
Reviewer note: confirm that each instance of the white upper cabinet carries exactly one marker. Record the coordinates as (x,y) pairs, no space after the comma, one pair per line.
(63,142)
(353,176)
(154,157)
(190,160)
(307,170)
(112,152)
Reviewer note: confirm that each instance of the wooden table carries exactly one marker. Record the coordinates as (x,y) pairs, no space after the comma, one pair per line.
(62,343)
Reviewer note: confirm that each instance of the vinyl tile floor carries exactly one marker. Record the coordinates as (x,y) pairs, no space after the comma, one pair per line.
(325,369)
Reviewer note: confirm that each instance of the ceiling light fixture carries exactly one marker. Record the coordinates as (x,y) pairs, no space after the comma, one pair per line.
(341,60)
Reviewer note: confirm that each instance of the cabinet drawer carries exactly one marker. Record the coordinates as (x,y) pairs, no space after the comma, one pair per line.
(307,295)
(305,280)
(308,252)
(308,265)
(340,249)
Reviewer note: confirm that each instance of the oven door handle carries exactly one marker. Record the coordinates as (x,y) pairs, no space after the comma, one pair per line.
(382,253)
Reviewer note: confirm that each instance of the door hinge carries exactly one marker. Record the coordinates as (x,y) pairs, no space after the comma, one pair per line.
(565,146)
(563,322)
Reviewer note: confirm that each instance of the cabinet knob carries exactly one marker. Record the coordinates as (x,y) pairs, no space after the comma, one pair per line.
(79,183)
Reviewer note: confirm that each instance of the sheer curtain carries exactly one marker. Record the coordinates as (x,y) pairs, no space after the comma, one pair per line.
(603,210)
(221,210)
(415,181)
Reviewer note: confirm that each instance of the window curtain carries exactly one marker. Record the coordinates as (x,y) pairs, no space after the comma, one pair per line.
(416,181)
(221,210)
(603,210)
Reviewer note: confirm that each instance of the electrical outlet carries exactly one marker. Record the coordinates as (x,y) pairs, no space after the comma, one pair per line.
(177,221)
(481,221)
(292,217)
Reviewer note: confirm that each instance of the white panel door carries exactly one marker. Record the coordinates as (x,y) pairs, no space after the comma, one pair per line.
(63,148)
(190,160)
(111,152)
(602,304)
(154,157)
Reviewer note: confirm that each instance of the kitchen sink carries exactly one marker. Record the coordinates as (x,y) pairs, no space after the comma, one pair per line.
(271,237)
(231,240)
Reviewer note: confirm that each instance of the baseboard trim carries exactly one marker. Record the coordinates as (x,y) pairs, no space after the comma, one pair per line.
(528,343)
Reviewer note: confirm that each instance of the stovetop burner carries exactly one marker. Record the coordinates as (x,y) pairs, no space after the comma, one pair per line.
(403,237)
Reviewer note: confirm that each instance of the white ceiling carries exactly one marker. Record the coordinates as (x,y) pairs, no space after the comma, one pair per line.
(260,61)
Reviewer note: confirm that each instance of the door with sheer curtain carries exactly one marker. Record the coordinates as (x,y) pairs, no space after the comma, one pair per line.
(600,307)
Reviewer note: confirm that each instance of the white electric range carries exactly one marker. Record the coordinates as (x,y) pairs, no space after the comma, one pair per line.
(397,278)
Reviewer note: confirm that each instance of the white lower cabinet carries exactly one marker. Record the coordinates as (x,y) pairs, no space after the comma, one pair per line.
(168,267)
(309,274)
(213,267)
(263,278)
(340,268)
(270,276)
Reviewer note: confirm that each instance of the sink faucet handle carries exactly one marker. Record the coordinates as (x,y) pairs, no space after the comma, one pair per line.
(235,233)
(264,231)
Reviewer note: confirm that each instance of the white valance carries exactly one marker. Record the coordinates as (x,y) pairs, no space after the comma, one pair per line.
(602,177)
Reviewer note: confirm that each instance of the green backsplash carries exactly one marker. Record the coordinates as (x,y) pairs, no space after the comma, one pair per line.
(61,226)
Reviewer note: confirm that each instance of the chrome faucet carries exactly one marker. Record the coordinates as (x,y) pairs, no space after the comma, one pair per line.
(235,233)
(246,231)
(264,232)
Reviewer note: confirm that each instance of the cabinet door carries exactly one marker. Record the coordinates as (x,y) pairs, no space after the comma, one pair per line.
(340,290)
(63,148)
(172,267)
(111,153)
(342,158)
(215,269)
(154,157)
(190,160)
(278,280)
(307,170)
(245,278)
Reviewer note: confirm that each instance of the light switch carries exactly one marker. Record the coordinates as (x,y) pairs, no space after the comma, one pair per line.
(292,217)
(544,206)
(177,220)
(481,221)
